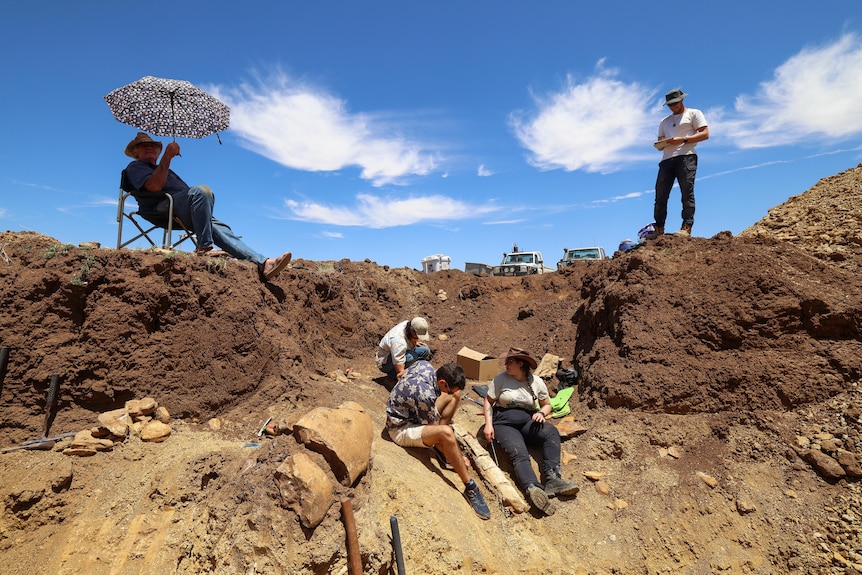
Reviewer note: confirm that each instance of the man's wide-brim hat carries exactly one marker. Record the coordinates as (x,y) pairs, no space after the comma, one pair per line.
(674,96)
(518,353)
(140,139)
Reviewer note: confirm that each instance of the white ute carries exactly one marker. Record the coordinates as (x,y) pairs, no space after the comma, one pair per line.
(581,255)
(518,263)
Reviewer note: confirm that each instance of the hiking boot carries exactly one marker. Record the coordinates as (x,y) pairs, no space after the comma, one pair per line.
(658,231)
(556,485)
(477,502)
(684,231)
(540,500)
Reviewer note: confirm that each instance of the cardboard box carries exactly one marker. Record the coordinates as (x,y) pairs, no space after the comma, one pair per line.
(477,365)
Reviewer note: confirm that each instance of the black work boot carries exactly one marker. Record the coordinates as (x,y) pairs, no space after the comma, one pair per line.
(556,485)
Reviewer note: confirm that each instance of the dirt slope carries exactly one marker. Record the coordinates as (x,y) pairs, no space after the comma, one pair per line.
(710,369)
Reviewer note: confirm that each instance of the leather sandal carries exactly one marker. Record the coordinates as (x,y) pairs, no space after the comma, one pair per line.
(211,252)
(275,265)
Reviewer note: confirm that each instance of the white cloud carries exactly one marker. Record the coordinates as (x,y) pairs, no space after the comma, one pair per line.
(503,222)
(304,128)
(378,212)
(484,172)
(598,125)
(333,235)
(3,212)
(815,94)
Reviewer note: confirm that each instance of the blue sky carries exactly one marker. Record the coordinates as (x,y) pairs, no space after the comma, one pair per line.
(397,130)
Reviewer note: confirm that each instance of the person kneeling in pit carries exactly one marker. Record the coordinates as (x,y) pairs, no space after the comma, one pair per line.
(419,413)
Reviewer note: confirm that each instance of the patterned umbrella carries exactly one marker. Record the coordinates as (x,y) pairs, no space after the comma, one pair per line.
(166,107)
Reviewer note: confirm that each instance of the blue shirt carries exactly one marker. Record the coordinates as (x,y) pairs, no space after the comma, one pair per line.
(138,173)
(413,399)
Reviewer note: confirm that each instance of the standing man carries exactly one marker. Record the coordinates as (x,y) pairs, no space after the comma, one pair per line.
(193,205)
(419,413)
(678,134)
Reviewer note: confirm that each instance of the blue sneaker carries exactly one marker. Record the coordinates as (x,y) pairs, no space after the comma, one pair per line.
(477,502)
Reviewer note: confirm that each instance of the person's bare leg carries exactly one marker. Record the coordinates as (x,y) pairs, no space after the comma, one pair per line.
(443,437)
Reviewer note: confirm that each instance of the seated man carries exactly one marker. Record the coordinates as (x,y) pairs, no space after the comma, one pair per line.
(194,206)
(419,413)
(400,346)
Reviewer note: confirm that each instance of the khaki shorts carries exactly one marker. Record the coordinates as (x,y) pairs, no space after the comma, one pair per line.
(408,436)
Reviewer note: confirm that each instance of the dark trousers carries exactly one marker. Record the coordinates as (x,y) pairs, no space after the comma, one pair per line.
(514,430)
(682,169)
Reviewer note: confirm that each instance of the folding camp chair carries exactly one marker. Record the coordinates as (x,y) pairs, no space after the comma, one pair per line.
(147,222)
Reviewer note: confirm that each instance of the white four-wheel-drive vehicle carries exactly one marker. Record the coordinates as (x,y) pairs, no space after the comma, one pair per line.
(581,255)
(518,263)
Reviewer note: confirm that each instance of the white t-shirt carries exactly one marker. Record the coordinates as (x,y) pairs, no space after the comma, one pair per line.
(394,343)
(683,125)
(509,392)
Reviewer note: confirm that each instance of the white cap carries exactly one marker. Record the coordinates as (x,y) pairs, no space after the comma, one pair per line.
(420,326)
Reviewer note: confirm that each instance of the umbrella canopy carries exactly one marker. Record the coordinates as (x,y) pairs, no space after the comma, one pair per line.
(166,107)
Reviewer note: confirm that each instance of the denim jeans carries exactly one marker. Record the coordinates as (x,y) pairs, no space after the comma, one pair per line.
(195,209)
(415,354)
(514,430)
(682,169)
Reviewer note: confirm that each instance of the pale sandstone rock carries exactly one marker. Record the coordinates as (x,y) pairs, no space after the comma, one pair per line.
(214,424)
(708,479)
(342,436)
(594,475)
(155,431)
(116,422)
(84,444)
(674,452)
(744,507)
(140,407)
(305,488)
(569,428)
(566,457)
(161,414)
(831,445)
(352,405)
(849,462)
(823,464)
(79,451)
(602,488)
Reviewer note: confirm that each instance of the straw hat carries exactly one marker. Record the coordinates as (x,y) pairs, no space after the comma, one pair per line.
(140,139)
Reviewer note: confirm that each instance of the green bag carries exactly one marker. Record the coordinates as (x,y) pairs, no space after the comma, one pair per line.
(560,402)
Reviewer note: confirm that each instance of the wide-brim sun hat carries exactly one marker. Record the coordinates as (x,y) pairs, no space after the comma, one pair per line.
(140,139)
(518,353)
(420,326)
(674,96)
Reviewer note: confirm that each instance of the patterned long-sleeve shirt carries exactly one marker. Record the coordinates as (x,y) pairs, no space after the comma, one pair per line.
(413,399)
